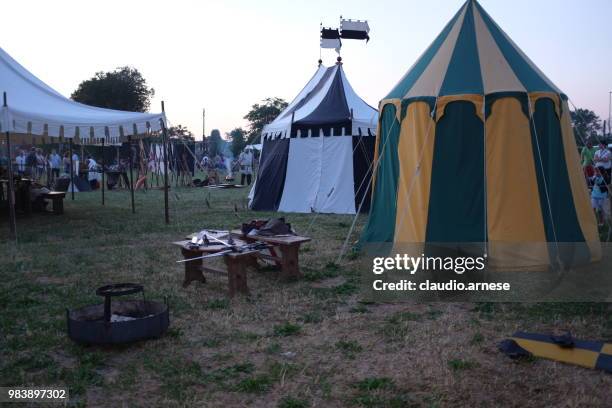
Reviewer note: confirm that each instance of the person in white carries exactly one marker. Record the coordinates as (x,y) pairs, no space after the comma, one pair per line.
(55,162)
(603,159)
(21,162)
(94,174)
(246,167)
(75,164)
(204,162)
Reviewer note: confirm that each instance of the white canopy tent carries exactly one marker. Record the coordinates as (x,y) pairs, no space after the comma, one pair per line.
(35,109)
(32,111)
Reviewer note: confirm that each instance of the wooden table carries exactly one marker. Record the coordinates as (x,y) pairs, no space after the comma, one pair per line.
(288,245)
(236,263)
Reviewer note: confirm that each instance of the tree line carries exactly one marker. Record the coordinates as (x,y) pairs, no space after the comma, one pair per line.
(126,89)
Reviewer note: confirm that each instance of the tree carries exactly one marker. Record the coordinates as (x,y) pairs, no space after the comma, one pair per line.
(214,143)
(237,140)
(180,132)
(262,114)
(586,125)
(123,89)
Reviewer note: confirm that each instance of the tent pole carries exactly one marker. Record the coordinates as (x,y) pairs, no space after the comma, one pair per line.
(156,158)
(102,172)
(71,171)
(131,175)
(11,187)
(165,140)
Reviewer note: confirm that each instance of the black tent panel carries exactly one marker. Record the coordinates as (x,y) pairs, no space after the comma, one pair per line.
(271,177)
(363,155)
(332,111)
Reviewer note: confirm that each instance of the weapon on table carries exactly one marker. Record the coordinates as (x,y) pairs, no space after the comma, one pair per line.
(257,246)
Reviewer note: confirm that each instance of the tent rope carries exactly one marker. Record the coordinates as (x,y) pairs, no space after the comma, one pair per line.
(550,214)
(417,170)
(484,172)
(365,176)
(374,166)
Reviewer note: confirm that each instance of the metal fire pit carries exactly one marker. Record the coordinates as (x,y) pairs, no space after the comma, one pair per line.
(118,321)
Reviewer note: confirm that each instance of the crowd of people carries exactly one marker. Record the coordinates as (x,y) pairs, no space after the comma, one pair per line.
(243,164)
(46,168)
(40,166)
(597,167)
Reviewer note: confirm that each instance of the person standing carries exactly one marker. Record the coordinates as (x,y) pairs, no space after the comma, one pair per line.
(603,159)
(20,160)
(93,176)
(31,163)
(55,162)
(599,196)
(41,163)
(75,163)
(204,162)
(66,162)
(246,167)
(586,159)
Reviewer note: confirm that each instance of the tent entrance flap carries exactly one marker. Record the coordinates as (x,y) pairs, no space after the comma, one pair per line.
(456,203)
(271,178)
(303,174)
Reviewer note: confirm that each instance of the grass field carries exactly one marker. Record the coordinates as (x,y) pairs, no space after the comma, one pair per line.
(301,344)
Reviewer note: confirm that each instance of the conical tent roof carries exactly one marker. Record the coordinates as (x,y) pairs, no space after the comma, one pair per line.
(327,104)
(472,55)
(317,154)
(475,145)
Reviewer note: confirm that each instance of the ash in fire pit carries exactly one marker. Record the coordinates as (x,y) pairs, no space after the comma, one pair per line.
(118,321)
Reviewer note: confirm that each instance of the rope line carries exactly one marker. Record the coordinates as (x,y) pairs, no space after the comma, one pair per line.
(552,221)
(374,172)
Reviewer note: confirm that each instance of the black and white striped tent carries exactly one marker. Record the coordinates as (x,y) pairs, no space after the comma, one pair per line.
(317,153)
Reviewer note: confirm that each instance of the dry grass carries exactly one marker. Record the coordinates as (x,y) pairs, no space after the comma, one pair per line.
(306,343)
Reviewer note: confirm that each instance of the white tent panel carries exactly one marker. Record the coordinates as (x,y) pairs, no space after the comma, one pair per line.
(336,190)
(364,116)
(303,175)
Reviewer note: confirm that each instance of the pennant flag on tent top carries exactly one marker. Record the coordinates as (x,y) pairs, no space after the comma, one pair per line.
(330,38)
(354,30)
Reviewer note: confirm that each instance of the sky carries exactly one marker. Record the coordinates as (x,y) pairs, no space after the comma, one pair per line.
(225,56)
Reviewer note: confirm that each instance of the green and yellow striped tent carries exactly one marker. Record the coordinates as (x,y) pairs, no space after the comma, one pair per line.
(475,144)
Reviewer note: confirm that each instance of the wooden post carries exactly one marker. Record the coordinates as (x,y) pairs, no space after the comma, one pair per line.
(103,171)
(11,187)
(156,159)
(71,172)
(165,141)
(131,164)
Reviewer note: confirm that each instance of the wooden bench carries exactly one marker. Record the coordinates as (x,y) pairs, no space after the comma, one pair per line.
(57,198)
(288,245)
(236,263)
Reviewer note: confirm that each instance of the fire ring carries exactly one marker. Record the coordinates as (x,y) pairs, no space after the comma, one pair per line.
(118,321)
